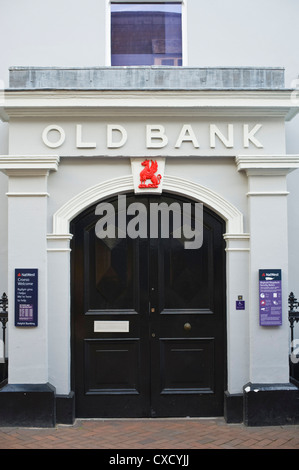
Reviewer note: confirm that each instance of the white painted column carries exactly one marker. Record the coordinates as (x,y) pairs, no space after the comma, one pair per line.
(59,305)
(27,248)
(267,202)
(237,268)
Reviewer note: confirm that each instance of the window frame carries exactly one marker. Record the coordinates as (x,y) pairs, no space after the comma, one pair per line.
(183,4)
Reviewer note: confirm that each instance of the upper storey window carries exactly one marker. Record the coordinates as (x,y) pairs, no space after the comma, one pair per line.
(146,33)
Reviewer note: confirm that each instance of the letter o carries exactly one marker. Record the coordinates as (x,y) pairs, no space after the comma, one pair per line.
(59,142)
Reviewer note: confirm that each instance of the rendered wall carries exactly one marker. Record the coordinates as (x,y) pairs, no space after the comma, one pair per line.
(68,33)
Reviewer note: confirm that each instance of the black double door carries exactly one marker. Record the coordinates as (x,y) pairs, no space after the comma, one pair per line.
(148,323)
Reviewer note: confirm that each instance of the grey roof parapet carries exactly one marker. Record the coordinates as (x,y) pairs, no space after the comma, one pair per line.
(146,78)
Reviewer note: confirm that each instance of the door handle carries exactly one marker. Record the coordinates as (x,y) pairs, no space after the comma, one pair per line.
(187,327)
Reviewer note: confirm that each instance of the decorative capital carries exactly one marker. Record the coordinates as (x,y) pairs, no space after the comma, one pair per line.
(28,165)
(267,165)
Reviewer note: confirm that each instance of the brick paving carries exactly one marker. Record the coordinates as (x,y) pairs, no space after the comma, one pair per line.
(151,434)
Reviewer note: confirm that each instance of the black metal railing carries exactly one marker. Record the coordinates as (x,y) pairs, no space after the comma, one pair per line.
(293,319)
(293,315)
(3,320)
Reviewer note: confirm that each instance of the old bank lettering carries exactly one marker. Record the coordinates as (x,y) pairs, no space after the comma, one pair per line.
(156,136)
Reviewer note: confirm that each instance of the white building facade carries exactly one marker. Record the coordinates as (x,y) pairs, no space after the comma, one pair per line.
(138,324)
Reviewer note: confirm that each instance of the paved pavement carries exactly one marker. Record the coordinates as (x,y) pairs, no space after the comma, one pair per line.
(169,434)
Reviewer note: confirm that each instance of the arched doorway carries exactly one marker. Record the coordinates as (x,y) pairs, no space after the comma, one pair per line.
(148,320)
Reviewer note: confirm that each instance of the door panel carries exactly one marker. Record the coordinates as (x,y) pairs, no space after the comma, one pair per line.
(171,361)
(187,366)
(111,366)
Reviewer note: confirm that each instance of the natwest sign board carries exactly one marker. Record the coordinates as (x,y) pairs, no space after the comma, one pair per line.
(26,297)
(270,297)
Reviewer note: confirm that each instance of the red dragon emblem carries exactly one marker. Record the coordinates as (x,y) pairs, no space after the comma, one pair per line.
(149,174)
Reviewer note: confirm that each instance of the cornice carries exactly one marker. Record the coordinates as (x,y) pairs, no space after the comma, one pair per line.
(26,165)
(267,164)
(67,103)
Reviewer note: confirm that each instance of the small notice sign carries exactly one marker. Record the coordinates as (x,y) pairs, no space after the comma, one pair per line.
(270,297)
(26,297)
(240,304)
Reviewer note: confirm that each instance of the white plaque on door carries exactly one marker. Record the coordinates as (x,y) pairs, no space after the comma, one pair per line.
(111,327)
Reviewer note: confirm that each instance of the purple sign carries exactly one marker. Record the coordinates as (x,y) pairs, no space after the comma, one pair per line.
(26,287)
(270,297)
(240,304)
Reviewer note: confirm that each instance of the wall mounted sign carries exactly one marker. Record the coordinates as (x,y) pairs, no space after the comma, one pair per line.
(26,297)
(156,136)
(134,136)
(270,297)
(240,305)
